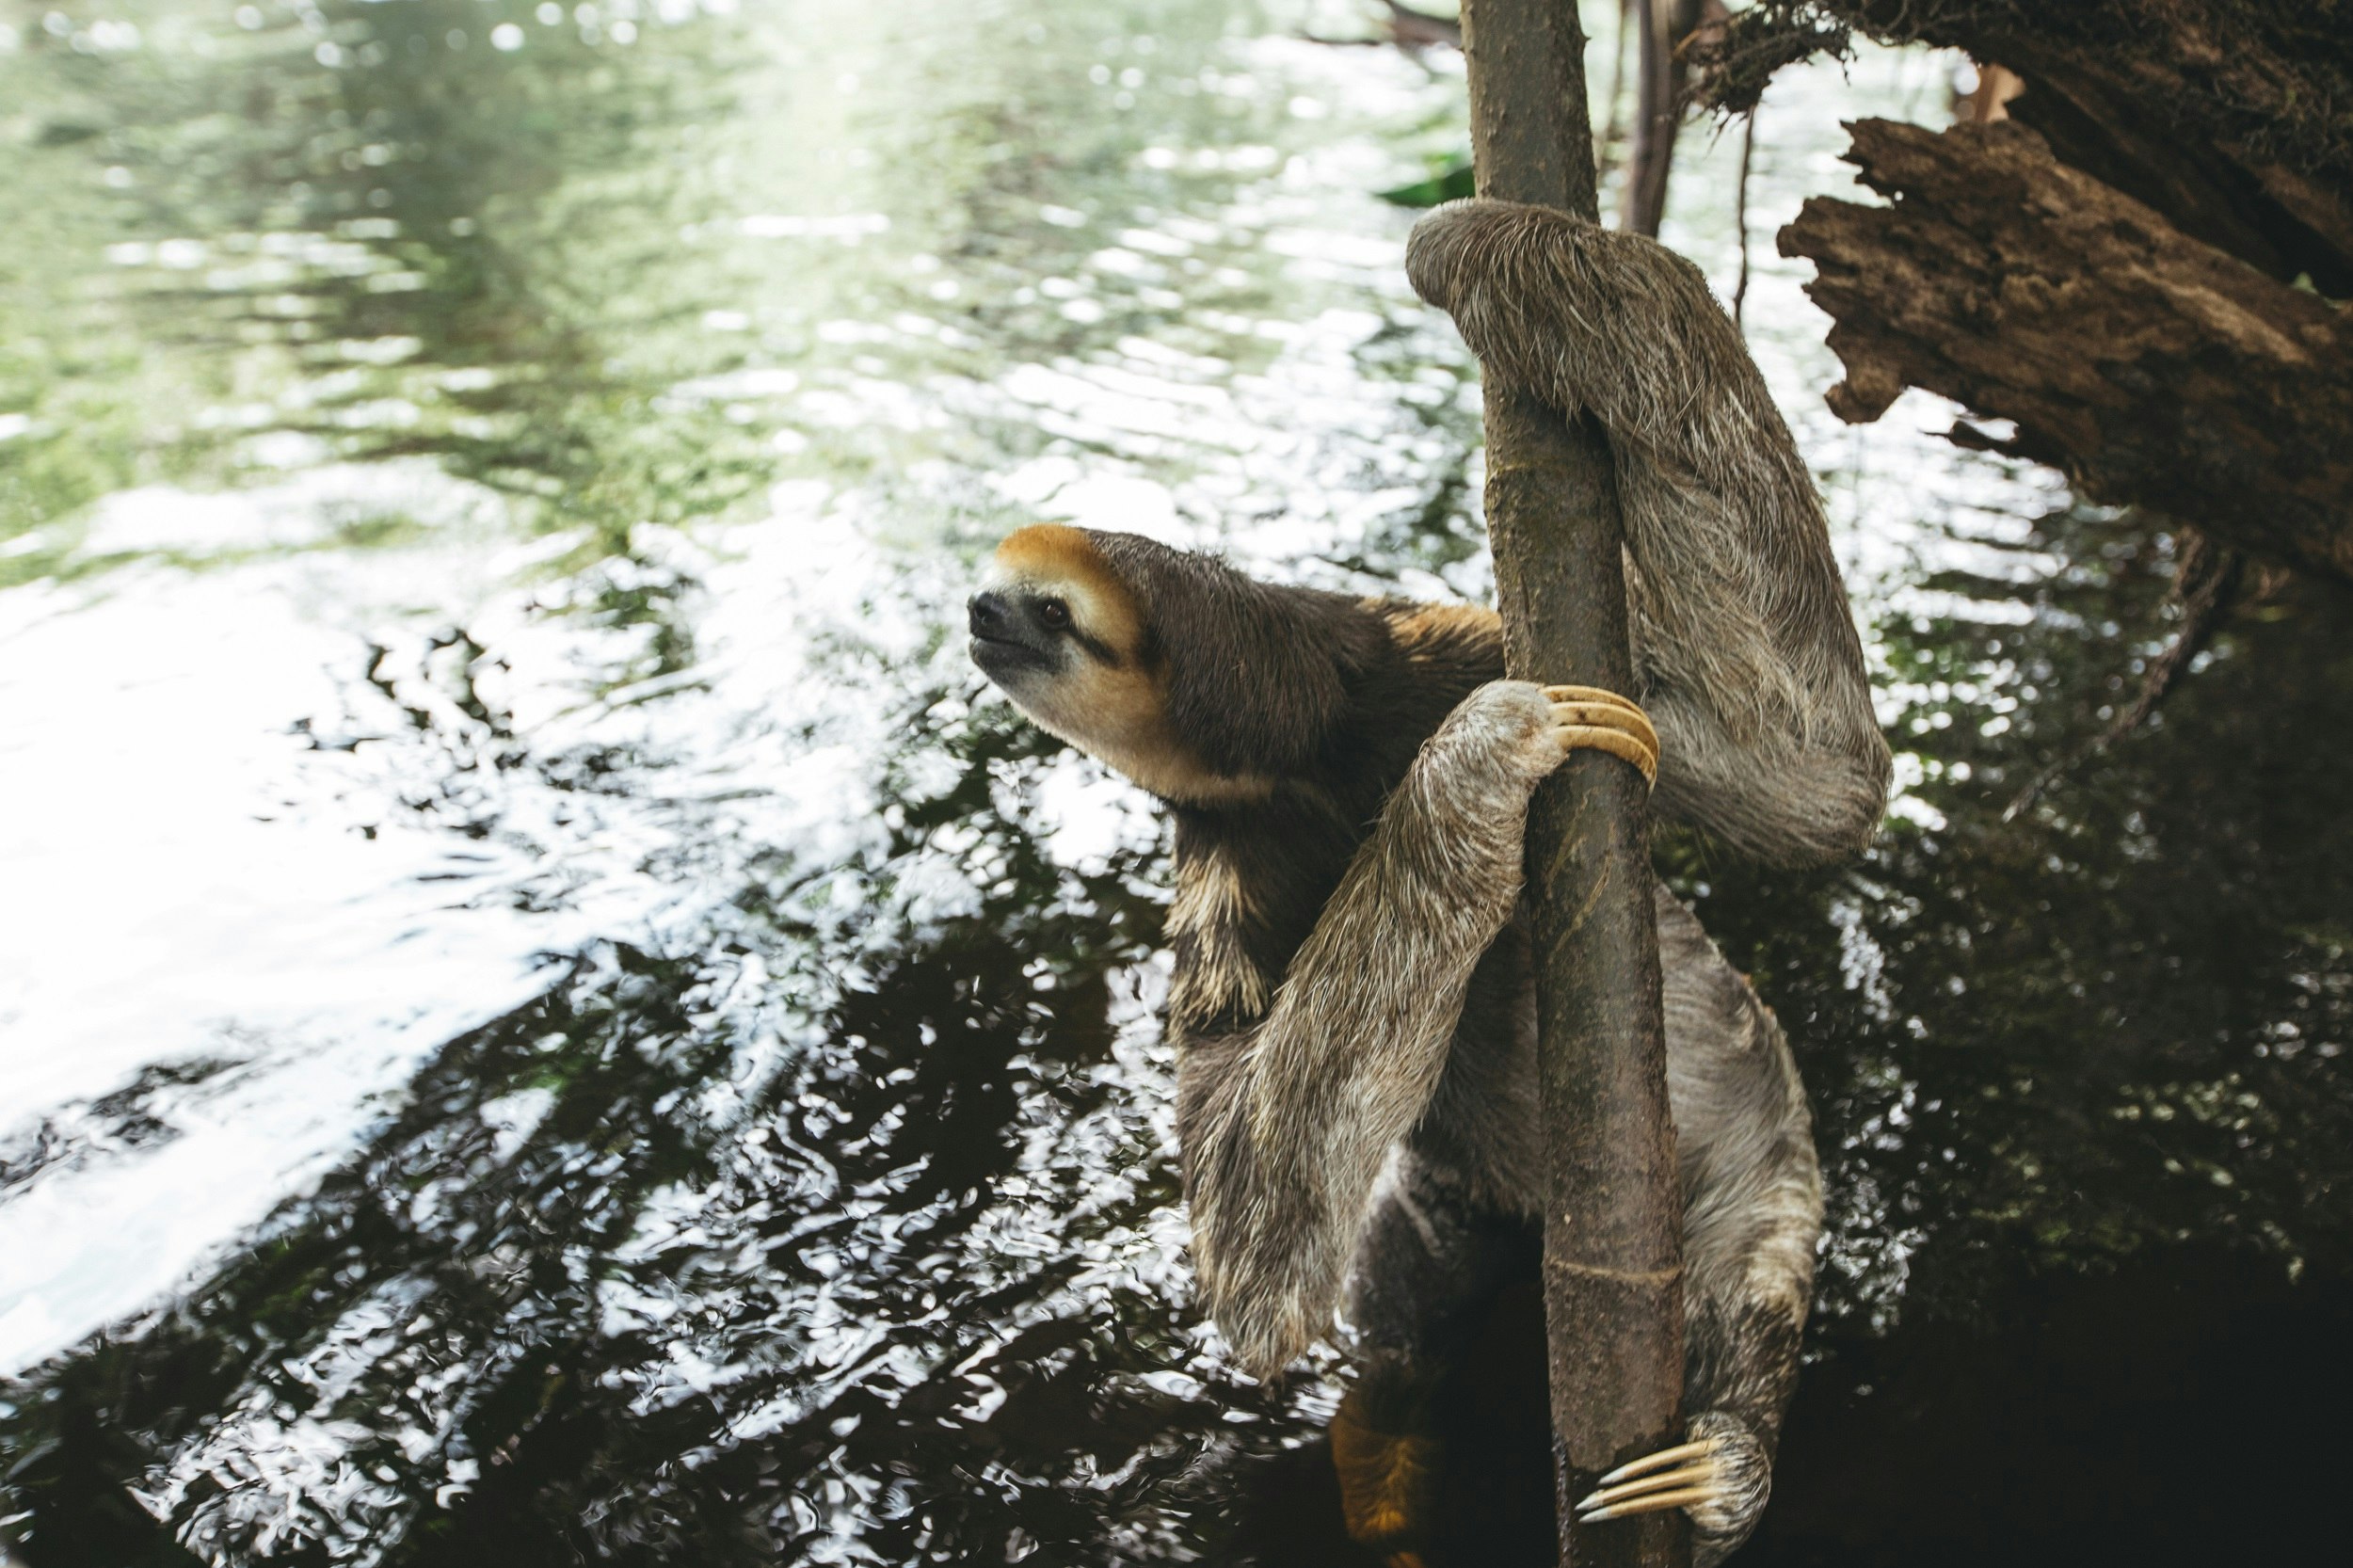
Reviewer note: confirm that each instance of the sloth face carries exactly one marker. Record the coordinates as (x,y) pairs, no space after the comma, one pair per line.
(1051,621)
(1021,637)
(1066,636)
(1055,627)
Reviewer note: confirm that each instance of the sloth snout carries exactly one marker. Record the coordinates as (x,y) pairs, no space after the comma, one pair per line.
(989,616)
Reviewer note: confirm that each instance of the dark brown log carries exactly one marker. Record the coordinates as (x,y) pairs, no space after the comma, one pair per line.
(2149,366)
(2226,116)
(1613,1296)
(2229,117)
(1988,101)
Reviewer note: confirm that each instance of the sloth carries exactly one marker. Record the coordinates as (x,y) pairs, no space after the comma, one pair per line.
(1349,779)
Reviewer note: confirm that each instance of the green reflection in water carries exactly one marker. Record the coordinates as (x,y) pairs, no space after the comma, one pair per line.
(619,284)
(629,273)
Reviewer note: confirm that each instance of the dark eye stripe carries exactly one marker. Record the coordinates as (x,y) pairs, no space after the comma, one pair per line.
(1103,653)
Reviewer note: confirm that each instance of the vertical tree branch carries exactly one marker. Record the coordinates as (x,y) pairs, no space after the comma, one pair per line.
(1613,1291)
(1605,156)
(1661,93)
(1740,215)
(1645,199)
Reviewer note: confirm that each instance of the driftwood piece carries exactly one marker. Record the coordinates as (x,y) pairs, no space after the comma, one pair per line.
(2228,117)
(1614,1212)
(2150,367)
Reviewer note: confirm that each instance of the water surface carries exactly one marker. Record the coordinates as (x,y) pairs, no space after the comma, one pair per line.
(551,1017)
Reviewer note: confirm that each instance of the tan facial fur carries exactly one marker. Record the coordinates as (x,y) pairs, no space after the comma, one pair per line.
(1117,712)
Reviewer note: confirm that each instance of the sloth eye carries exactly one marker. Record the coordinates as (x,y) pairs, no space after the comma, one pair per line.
(1054,612)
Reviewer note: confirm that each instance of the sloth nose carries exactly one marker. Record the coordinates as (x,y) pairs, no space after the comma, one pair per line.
(988,615)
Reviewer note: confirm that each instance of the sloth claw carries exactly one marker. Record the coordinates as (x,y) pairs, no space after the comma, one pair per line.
(1655,1482)
(1589,719)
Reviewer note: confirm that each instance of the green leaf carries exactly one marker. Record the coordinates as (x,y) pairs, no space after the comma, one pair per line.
(1450,183)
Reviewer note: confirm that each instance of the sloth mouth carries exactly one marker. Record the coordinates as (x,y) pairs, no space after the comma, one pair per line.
(1000,657)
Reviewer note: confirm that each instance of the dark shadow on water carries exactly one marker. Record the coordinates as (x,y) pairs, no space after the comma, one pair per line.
(2178,1411)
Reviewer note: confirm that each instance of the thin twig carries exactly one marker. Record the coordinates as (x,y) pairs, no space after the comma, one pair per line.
(1740,213)
(2206,578)
(1421,29)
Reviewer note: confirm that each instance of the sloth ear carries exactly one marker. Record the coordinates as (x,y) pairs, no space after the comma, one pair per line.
(1256,677)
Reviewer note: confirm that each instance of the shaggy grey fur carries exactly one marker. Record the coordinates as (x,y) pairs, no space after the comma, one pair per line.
(1351,1001)
(1341,1070)
(1386,1104)
(1745,656)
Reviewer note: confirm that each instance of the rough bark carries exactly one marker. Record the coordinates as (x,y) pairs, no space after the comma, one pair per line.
(2231,118)
(2148,365)
(1613,1220)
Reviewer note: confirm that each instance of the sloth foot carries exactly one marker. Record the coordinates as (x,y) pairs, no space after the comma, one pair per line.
(1589,719)
(1720,1478)
(1387,1477)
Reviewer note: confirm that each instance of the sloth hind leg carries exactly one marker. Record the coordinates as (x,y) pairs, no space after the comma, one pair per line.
(1386,1454)
(1428,1274)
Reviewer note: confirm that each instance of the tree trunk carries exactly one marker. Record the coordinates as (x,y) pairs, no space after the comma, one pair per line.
(1613,1298)
(2149,366)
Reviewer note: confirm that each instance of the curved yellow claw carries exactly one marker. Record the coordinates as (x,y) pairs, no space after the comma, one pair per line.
(1681,1476)
(1589,719)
